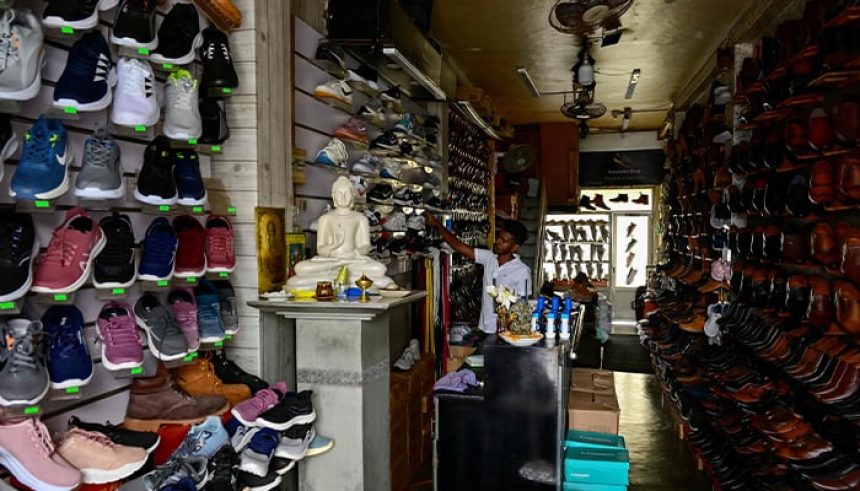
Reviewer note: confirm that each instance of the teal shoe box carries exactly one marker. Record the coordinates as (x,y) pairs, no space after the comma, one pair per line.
(578,486)
(591,439)
(597,466)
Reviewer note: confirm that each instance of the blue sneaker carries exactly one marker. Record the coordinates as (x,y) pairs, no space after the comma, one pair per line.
(256,458)
(43,171)
(209,312)
(69,360)
(189,182)
(157,260)
(319,445)
(203,440)
(240,435)
(89,75)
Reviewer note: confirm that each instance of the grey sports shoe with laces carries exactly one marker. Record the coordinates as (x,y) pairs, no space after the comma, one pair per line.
(171,472)
(101,175)
(166,340)
(24,377)
(23,55)
(229,312)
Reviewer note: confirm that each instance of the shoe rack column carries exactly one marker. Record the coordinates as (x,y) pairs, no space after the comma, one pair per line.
(343,355)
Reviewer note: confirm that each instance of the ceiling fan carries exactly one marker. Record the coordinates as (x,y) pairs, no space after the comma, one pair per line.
(583,17)
(583,106)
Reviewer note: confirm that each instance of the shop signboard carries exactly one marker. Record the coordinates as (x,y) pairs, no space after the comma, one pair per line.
(618,169)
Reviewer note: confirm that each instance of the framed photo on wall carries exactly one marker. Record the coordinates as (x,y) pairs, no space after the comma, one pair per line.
(271,248)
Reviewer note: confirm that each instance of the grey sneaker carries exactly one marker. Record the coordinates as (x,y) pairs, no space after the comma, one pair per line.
(24,377)
(181,109)
(295,442)
(23,55)
(229,312)
(101,175)
(166,340)
(171,472)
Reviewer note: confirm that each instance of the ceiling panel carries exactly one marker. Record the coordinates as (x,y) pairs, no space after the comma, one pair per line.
(667,39)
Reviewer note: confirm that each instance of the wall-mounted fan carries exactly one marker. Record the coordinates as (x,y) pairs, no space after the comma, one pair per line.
(518,158)
(584,17)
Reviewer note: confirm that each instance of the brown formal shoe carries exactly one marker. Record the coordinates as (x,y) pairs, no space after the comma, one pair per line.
(822,189)
(198,379)
(820,313)
(156,401)
(222,13)
(825,248)
(848,307)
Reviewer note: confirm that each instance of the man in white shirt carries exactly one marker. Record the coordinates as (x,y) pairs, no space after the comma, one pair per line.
(502,265)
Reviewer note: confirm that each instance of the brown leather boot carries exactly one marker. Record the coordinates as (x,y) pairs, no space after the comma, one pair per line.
(641,200)
(198,379)
(155,401)
(598,202)
(222,13)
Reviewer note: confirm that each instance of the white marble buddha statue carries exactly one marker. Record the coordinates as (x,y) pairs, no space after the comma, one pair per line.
(343,239)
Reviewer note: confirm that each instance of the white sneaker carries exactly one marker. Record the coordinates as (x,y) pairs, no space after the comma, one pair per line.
(181,109)
(406,360)
(334,153)
(135,102)
(414,345)
(336,90)
(395,222)
(23,55)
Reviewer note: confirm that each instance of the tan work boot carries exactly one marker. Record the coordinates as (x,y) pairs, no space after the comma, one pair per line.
(199,379)
(222,13)
(155,401)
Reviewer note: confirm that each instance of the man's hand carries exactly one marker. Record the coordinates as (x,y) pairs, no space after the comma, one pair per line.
(430,220)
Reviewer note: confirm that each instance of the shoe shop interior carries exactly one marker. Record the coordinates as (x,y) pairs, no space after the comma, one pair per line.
(430,245)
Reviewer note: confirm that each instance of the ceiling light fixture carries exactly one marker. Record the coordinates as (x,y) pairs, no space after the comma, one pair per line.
(634,79)
(528,82)
(416,73)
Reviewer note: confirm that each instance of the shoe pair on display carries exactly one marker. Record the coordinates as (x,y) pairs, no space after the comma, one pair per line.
(186,249)
(169,177)
(410,355)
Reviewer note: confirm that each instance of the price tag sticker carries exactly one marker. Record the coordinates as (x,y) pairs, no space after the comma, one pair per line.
(67,30)
(136,370)
(72,390)
(118,291)
(61,297)
(43,204)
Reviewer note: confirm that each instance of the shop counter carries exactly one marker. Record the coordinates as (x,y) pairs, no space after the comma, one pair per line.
(342,351)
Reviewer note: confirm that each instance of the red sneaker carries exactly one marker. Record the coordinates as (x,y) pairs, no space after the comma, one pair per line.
(354,130)
(66,265)
(220,254)
(190,257)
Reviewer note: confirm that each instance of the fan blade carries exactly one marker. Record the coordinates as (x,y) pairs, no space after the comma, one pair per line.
(634,79)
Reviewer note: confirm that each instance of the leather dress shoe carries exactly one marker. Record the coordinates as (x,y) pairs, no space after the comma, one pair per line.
(820,313)
(825,248)
(758,197)
(795,136)
(774,150)
(812,447)
(797,198)
(848,307)
(775,194)
(822,188)
(757,245)
(761,288)
(820,130)
(851,258)
(795,246)
(798,295)
(779,292)
(849,174)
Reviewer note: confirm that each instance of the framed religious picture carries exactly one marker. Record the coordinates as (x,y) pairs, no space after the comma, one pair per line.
(295,251)
(271,248)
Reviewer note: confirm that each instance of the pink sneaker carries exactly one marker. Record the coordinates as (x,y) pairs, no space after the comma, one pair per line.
(184,307)
(353,130)
(220,255)
(27,451)
(122,347)
(247,411)
(66,265)
(98,458)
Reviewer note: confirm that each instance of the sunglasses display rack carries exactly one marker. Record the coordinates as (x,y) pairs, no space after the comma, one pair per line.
(754,320)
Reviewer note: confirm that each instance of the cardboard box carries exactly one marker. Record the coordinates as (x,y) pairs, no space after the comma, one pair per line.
(591,439)
(588,411)
(590,380)
(455,351)
(597,466)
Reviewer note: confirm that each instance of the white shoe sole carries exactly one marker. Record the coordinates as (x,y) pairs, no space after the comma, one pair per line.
(186,59)
(149,277)
(74,382)
(64,185)
(112,284)
(154,200)
(180,135)
(21,473)
(96,193)
(133,43)
(23,289)
(193,201)
(133,120)
(119,366)
(161,356)
(102,476)
(30,91)
(83,278)
(298,420)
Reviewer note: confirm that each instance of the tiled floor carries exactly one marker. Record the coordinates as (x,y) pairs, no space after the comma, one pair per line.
(659,461)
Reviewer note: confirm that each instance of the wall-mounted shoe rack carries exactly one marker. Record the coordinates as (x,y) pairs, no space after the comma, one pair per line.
(761,354)
(318,121)
(104,396)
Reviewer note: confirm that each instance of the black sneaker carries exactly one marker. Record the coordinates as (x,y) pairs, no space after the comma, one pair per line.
(296,408)
(8,142)
(387,141)
(281,465)
(214,117)
(121,436)
(134,25)
(381,193)
(230,373)
(114,266)
(330,57)
(249,482)
(155,183)
(222,470)
(17,244)
(178,36)
(391,95)
(219,76)
(77,14)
